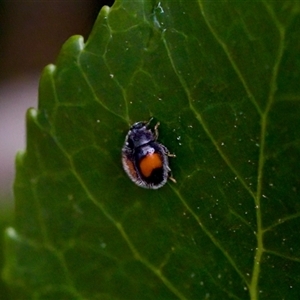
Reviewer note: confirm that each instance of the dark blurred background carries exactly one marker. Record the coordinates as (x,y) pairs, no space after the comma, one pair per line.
(31,35)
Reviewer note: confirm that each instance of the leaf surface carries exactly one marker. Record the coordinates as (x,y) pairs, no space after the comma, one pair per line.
(223,80)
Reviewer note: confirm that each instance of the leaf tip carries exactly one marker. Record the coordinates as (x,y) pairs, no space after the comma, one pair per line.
(10,235)
(19,157)
(50,69)
(31,113)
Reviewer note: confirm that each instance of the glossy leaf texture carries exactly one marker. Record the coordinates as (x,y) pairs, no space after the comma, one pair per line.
(222,78)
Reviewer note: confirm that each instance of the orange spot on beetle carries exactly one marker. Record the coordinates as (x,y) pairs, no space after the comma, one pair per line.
(149,163)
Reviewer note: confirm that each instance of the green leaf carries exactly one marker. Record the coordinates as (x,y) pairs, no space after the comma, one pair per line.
(222,77)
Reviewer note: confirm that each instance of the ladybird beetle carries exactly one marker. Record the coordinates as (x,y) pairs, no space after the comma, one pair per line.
(145,160)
